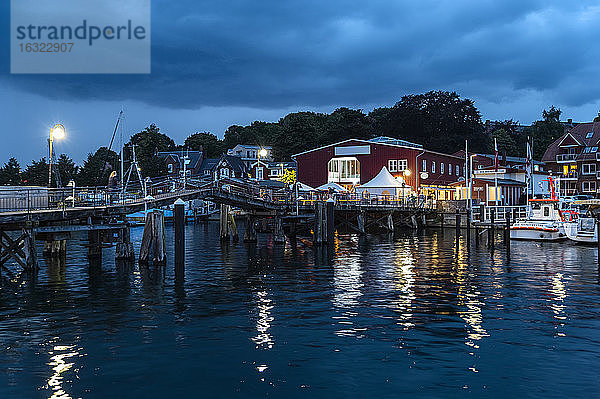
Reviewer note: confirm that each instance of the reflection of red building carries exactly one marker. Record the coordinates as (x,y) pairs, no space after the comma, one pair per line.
(355,161)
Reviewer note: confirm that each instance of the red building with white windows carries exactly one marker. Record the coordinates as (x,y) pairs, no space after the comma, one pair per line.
(354,161)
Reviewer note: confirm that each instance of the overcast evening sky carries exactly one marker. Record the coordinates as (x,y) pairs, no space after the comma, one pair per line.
(218,63)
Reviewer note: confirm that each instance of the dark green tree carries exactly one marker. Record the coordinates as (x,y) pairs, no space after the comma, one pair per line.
(36,173)
(544,132)
(439,120)
(506,142)
(10,173)
(208,142)
(298,132)
(346,123)
(148,143)
(102,162)
(66,169)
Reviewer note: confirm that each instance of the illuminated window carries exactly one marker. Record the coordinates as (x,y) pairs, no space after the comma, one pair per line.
(432,166)
(588,168)
(402,165)
(343,170)
(424,165)
(441,168)
(588,186)
(457,170)
(450,169)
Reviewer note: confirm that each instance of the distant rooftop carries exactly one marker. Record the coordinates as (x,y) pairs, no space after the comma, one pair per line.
(394,141)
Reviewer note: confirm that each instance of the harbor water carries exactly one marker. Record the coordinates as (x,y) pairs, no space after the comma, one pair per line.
(407,315)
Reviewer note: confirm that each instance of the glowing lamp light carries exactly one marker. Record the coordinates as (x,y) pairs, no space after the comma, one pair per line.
(407,172)
(262,152)
(58,132)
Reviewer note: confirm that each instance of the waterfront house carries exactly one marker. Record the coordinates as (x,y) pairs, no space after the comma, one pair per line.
(354,162)
(249,154)
(573,159)
(270,170)
(230,166)
(175,161)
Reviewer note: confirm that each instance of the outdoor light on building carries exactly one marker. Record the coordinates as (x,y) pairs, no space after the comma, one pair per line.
(407,172)
(57,132)
(262,153)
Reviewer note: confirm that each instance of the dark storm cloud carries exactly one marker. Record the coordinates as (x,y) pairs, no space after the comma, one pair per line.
(276,54)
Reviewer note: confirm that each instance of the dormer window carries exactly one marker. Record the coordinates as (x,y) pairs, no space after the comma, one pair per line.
(589,135)
(594,149)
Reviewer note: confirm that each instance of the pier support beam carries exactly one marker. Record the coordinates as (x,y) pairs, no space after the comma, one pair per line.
(250,233)
(330,219)
(21,250)
(492,231)
(124,249)
(278,235)
(360,221)
(390,223)
(507,235)
(94,244)
(154,238)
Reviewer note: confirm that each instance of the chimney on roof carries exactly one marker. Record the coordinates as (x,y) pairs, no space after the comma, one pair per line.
(570,121)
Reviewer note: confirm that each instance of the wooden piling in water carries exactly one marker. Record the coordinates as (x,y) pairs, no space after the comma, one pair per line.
(457,228)
(360,222)
(179,227)
(507,234)
(250,233)
(278,235)
(94,244)
(154,239)
(224,223)
(491,231)
(468,229)
(330,220)
(124,249)
(598,236)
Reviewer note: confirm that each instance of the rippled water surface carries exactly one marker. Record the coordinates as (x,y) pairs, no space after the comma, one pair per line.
(377,316)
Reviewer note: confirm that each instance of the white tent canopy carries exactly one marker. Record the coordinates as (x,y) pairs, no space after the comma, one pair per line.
(304,188)
(334,186)
(384,184)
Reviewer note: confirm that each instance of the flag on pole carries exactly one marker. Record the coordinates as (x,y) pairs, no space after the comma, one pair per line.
(496,159)
(529,163)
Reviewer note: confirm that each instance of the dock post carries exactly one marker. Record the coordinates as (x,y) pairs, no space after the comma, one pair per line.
(318,225)
(160,255)
(330,219)
(491,231)
(390,223)
(154,237)
(476,235)
(179,227)
(124,249)
(360,221)
(278,235)
(442,221)
(468,229)
(224,223)
(29,249)
(598,236)
(250,233)
(507,234)
(233,228)
(94,244)
(457,228)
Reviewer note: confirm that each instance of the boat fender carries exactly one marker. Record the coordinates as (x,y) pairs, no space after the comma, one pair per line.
(542,235)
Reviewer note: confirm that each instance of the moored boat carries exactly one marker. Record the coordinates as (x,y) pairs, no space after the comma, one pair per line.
(544,221)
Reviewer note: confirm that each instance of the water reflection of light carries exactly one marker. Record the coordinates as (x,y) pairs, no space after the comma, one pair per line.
(471,313)
(347,282)
(60,364)
(404,281)
(559,293)
(263,338)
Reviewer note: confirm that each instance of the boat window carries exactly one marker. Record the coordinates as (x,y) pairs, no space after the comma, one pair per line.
(536,206)
(546,211)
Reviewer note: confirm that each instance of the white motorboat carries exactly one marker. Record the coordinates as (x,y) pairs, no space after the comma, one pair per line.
(583,230)
(543,222)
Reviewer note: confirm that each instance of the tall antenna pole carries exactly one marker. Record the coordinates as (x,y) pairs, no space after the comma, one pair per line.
(122,161)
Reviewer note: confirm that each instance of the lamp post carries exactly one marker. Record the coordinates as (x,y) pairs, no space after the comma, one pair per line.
(406,173)
(261,153)
(57,132)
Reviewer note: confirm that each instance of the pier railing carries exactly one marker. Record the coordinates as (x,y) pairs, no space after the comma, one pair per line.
(500,212)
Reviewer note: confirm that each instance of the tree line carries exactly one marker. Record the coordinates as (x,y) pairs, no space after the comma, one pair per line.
(439,120)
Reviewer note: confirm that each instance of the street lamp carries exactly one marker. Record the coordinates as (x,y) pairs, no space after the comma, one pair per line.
(261,153)
(57,132)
